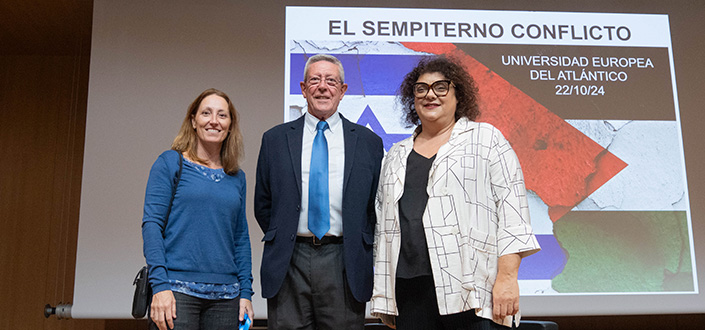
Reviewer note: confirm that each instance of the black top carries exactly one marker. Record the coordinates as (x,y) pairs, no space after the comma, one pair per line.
(413,257)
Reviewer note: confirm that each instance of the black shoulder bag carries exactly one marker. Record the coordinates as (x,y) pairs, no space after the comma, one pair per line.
(143,291)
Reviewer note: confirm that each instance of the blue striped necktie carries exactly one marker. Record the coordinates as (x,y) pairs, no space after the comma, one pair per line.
(318,205)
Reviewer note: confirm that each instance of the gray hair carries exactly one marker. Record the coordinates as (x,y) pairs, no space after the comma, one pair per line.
(328,58)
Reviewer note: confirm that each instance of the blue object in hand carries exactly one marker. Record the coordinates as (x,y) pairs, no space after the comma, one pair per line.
(245,324)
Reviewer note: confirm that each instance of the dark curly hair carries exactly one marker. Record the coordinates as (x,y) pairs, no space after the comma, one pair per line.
(465,88)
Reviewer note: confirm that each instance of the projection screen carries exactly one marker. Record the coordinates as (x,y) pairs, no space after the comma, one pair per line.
(588,100)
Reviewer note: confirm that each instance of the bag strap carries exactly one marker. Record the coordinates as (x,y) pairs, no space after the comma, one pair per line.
(173,188)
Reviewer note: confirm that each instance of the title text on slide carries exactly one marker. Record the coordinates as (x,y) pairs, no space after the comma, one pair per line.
(479,30)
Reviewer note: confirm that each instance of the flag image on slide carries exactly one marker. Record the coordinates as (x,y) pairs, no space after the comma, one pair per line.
(601,180)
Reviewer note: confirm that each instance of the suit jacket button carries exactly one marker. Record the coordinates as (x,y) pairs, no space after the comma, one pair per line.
(298,208)
(293,237)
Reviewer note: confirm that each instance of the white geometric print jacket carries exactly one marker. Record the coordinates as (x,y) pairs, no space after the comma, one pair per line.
(477,211)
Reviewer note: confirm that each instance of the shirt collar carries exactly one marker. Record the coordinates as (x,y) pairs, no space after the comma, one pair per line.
(333,121)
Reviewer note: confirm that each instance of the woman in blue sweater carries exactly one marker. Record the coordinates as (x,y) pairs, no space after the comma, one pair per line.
(196,240)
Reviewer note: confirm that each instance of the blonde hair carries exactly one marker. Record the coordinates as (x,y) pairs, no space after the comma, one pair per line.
(232,149)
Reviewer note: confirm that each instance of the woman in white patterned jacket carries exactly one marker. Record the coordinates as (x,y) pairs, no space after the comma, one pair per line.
(452,214)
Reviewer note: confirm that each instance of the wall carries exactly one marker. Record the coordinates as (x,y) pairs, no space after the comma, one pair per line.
(44,57)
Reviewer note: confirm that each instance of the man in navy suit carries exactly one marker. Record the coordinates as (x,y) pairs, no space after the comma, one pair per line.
(318,216)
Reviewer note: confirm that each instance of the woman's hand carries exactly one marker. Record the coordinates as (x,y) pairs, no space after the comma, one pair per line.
(505,299)
(389,320)
(246,307)
(505,293)
(163,309)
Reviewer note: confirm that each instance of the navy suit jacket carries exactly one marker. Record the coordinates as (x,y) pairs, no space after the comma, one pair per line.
(278,202)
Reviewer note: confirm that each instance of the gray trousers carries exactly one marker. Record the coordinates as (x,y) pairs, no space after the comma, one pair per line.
(315,294)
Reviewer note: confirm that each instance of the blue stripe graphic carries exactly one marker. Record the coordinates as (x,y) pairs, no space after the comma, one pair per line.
(545,264)
(364,74)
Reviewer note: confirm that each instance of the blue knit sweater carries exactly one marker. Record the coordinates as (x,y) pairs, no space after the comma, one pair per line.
(206,238)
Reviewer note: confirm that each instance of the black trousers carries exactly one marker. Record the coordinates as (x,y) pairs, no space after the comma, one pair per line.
(315,294)
(418,309)
(194,313)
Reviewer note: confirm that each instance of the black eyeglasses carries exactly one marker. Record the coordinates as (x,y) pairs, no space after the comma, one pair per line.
(440,88)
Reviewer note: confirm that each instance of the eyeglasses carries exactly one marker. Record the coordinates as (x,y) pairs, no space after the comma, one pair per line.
(332,82)
(440,88)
